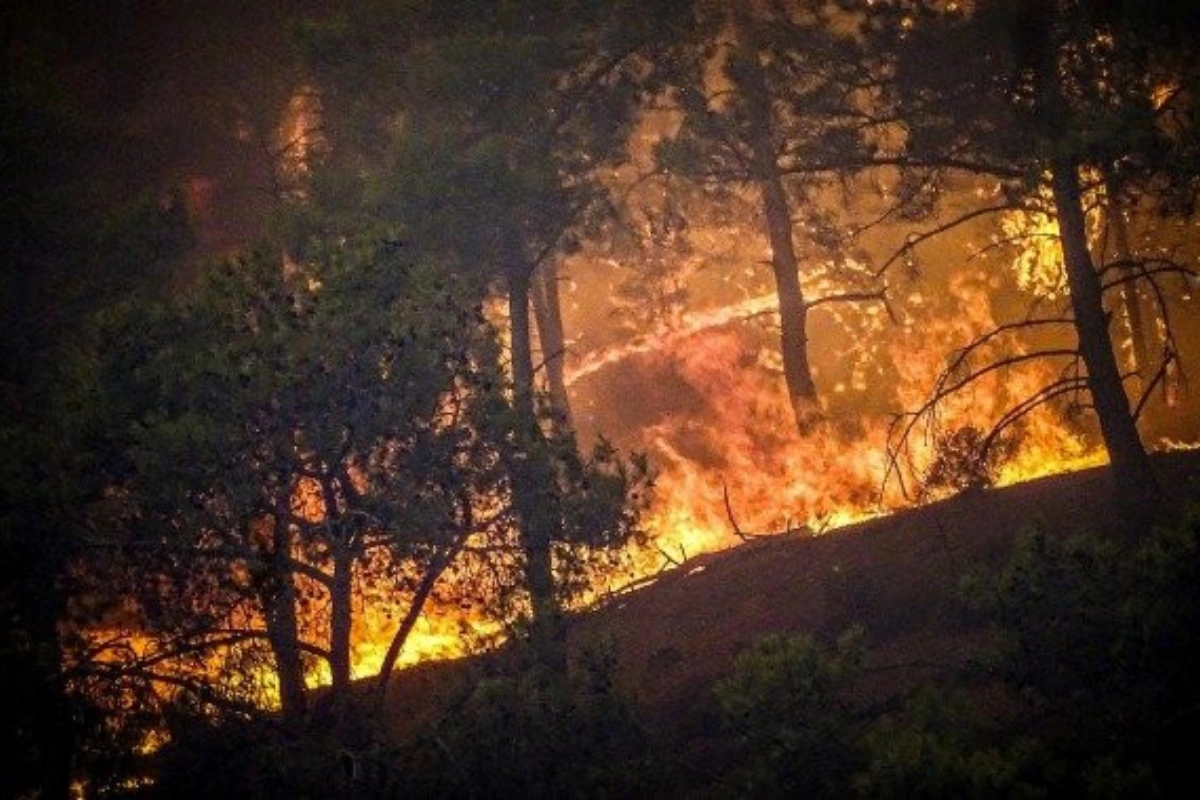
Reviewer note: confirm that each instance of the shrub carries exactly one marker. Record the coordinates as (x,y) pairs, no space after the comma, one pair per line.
(1101,634)
(527,733)
(785,703)
(966,459)
(249,758)
(934,747)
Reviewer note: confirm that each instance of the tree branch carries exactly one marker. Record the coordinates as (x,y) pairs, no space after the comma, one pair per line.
(915,239)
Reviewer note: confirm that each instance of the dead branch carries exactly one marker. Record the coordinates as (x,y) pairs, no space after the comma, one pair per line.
(1158,378)
(197,687)
(952,380)
(1149,271)
(1131,270)
(737,531)
(1036,400)
(671,561)
(746,536)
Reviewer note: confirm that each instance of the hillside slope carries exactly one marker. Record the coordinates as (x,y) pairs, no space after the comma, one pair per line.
(897,576)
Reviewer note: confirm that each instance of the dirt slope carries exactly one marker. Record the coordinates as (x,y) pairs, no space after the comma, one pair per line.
(896,576)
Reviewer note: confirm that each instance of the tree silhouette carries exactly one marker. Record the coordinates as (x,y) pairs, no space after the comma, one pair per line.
(784,118)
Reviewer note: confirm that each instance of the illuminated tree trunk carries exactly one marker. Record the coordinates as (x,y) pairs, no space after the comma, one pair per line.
(547,307)
(1140,351)
(793,309)
(530,482)
(1130,465)
(283,630)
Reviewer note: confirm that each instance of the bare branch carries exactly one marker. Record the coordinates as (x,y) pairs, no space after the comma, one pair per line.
(952,379)
(737,531)
(1029,404)
(906,162)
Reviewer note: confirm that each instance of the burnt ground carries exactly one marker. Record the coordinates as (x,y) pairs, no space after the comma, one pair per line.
(898,577)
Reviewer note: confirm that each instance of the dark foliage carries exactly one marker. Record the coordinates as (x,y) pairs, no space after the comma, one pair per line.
(253,758)
(1097,679)
(936,745)
(966,459)
(786,705)
(1101,635)
(531,732)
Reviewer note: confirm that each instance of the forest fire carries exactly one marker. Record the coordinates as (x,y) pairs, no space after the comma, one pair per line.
(704,400)
(399,332)
(733,456)
(702,396)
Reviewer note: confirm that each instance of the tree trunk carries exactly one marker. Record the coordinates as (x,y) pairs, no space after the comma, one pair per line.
(793,310)
(53,726)
(547,307)
(283,630)
(1131,467)
(531,482)
(1132,472)
(1140,351)
(340,616)
(396,646)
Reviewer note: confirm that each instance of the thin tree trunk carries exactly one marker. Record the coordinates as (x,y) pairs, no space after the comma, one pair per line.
(1140,352)
(1131,466)
(54,732)
(547,307)
(396,646)
(793,310)
(283,630)
(530,482)
(340,616)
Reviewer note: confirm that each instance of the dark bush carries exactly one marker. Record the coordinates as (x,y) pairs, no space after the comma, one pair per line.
(785,702)
(966,459)
(1101,637)
(526,733)
(249,759)
(935,746)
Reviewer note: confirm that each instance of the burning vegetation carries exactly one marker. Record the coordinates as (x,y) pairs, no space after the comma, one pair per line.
(550,298)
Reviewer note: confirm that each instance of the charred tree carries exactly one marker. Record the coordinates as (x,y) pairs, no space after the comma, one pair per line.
(1040,38)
